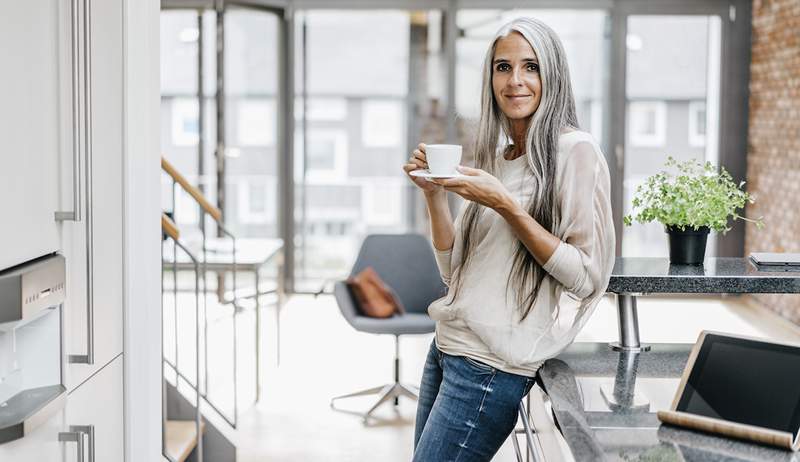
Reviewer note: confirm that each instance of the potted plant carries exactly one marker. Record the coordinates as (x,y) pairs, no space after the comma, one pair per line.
(690,204)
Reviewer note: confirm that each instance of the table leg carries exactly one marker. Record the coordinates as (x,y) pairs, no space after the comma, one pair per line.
(258,339)
(628,319)
(623,396)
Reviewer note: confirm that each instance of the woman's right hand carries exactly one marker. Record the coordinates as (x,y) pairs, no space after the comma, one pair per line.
(419,161)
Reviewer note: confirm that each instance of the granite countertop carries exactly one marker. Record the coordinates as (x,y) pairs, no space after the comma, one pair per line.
(716,275)
(590,387)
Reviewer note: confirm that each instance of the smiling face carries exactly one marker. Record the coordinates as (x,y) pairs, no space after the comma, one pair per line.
(515,78)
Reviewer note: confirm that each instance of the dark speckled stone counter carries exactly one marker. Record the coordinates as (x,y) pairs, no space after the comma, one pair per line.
(716,275)
(590,388)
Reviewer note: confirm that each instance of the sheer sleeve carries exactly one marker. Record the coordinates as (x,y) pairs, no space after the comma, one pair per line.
(443,258)
(581,261)
(446,259)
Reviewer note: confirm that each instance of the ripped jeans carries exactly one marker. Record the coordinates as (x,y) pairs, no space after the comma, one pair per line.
(466,409)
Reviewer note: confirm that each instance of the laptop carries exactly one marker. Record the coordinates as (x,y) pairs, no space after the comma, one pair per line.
(775,259)
(740,387)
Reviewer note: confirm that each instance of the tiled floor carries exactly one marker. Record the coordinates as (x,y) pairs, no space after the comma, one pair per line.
(323,357)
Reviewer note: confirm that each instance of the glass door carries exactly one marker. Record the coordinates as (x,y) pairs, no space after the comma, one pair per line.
(671,108)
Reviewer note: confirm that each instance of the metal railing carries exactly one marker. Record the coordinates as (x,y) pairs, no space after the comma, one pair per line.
(171,232)
(209,210)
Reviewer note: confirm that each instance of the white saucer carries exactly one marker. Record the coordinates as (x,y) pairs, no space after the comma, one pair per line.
(427,174)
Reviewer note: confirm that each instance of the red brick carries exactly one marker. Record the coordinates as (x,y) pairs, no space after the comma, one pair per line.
(773,154)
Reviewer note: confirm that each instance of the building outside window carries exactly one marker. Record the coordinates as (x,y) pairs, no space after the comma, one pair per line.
(352,183)
(255,122)
(647,124)
(327,155)
(256,202)
(697,123)
(185,125)
(382,123)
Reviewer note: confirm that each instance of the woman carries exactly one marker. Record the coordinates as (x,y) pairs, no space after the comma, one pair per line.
(528,257)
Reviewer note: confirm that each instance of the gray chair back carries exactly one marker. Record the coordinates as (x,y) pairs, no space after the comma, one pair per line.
(406,263)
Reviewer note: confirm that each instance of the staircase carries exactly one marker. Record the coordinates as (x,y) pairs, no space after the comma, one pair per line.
(187,435)
(180,439)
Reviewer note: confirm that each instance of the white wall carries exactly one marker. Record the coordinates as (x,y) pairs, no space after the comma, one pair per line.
(142,231)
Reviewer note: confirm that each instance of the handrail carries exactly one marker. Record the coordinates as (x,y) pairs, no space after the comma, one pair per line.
(172,231)
(168,223)
(191,189)
(169,227)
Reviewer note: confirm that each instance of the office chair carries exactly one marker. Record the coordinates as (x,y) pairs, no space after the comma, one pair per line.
(407,265)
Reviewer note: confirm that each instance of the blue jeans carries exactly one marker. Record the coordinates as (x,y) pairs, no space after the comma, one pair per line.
(466,409)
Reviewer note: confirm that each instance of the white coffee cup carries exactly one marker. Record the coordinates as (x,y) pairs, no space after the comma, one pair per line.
(443,158)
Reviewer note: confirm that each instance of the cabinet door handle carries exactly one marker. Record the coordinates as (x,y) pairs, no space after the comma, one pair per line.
(74,437)
(88,358)
(75,214)
(87,430)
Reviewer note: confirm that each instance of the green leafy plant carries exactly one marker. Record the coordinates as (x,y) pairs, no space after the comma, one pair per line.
(697,195)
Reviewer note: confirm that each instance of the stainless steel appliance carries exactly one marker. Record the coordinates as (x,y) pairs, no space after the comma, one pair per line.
(31,357)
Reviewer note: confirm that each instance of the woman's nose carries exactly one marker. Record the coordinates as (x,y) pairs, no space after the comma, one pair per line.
(516,79)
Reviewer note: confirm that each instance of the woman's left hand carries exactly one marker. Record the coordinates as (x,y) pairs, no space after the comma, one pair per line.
(478,186)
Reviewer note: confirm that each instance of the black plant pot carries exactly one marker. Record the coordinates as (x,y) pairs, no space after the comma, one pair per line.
(687,247)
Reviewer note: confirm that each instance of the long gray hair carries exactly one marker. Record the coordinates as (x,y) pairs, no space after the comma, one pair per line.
(556,112)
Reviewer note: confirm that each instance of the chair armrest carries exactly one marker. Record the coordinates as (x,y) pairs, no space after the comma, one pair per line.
(345,300)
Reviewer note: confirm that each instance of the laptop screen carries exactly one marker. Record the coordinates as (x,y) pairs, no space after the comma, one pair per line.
(745,381)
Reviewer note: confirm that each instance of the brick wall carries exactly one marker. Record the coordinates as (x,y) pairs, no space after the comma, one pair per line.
(773,152)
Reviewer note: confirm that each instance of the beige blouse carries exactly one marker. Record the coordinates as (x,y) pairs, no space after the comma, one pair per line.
(483,323)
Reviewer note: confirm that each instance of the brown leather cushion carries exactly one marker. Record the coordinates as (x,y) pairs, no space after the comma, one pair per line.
(374,298)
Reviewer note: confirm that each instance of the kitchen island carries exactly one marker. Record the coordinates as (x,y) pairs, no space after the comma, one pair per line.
(605,400)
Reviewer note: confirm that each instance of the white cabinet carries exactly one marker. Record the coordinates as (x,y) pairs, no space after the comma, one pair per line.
(94,247)
(42,115)
(47,165)
(98,404)
(29,129)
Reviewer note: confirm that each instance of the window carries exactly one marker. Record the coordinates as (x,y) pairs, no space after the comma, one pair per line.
(327,109)
(185,207)
(697,123)
(381,123)
(327,154)
(648,123)
(256,122)
(356,92)
(255,200)
(381,202)
(185,125)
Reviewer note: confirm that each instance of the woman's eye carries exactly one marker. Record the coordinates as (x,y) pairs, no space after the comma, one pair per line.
(533,67)
(502,67)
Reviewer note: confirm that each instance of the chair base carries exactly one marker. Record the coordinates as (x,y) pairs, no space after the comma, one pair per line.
(386,393)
